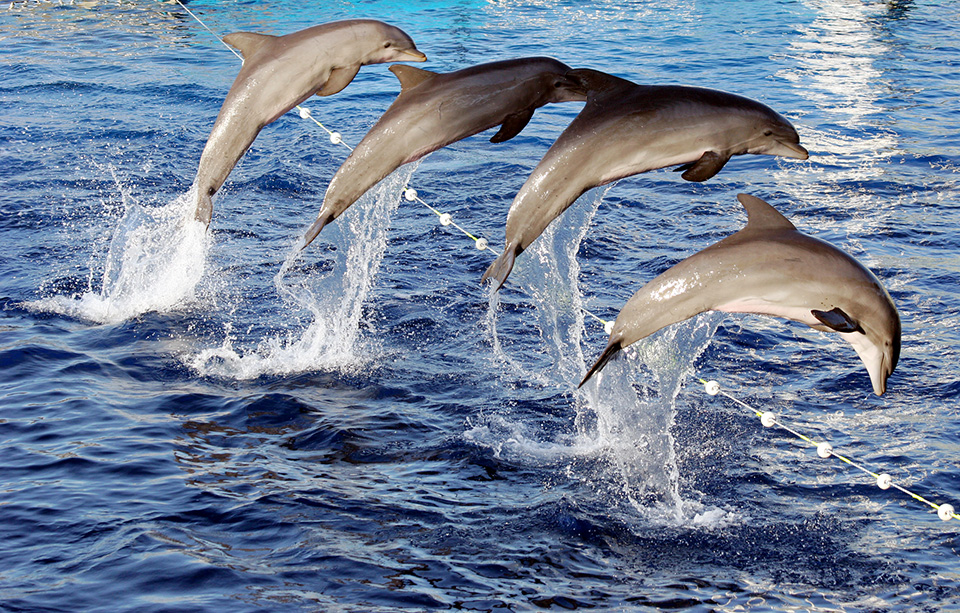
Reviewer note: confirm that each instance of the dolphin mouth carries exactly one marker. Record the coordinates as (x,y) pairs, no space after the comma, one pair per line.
(417,56)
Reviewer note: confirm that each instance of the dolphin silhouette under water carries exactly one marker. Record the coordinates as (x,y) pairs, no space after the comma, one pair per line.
(770,268)
(434,110)
(626,129)
(280,72)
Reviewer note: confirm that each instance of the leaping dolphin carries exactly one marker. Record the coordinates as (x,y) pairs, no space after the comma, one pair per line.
(770,268)
(434,110)
(280,72)
(626,129)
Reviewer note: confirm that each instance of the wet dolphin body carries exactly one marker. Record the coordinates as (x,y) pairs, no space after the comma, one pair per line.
(626,129)
(770,268)
(280,72)
(434,110)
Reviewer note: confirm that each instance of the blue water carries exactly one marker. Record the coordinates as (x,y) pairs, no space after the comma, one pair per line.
(209,422)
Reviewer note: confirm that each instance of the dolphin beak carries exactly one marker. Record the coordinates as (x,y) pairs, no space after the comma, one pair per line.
(879,372)
(569,90)
(793,150)
(878,379)
(578,93)
(877,362)
(415,55)
(575,83)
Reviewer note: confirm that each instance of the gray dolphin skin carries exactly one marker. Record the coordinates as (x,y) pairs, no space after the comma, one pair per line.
(626,129)
(280,72)
(434,110)
(770,268)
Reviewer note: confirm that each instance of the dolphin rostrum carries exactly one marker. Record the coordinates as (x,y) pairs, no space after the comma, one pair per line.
(436,109)
(626,129)
(770,268)
(280,72)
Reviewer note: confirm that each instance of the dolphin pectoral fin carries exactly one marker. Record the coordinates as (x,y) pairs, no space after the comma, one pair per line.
(247,43)
(708,165)
(410,76)
(837,320)
(501,267)
(613,348)
(314,230)
(512,125)
(338,79)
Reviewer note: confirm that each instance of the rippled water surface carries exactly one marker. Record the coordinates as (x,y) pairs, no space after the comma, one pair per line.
(212,421)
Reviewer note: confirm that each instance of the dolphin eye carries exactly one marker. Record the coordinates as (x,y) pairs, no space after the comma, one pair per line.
(768,133)
(387,45)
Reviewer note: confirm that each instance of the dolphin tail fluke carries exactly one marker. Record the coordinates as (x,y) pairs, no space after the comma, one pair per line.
(314,230)
(612,349)
(204,209)
(501,267)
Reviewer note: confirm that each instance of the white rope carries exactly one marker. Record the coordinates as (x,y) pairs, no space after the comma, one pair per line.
(825,450)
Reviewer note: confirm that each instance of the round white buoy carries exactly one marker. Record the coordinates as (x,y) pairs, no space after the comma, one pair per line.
(481,244)
(335,138)
(824,450)
(884,481)
(945,511)
(608,327)
(304,113)
(410,194)
(712,387)
(446,219)
(768,418)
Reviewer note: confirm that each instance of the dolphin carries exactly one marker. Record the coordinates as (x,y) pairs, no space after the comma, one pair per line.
(436,109)
(280,72)
(626,129)
(770,268)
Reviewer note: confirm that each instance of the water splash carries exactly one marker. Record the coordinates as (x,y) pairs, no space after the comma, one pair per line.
(548,274)
(622,446)
(333,301)
(154,262)
(632,423)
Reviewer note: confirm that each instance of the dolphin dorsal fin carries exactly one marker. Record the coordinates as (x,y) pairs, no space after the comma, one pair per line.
(762,216)
(247,43)
(410,76)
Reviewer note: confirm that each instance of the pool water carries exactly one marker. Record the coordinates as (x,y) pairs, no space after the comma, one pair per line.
(212,420)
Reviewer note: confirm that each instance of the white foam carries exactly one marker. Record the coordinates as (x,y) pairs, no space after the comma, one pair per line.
(715,518)
(516,441)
